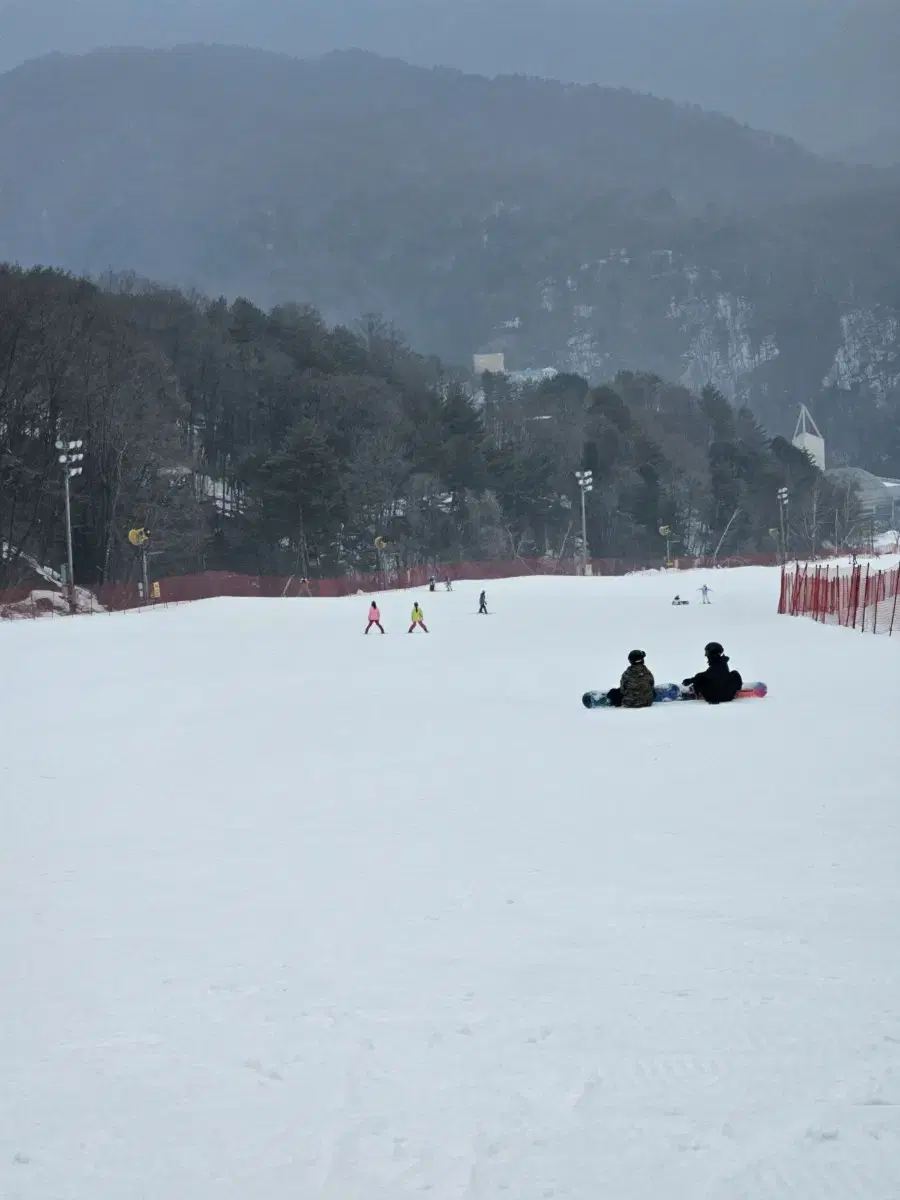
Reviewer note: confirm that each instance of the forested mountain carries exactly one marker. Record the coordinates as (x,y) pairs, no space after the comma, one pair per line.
(267,442)
(823,71)
(588,229)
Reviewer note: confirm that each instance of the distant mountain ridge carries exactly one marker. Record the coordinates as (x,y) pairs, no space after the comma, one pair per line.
(588,228)
(823,71)
(240,170)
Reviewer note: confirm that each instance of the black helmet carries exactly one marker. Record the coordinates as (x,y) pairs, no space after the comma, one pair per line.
(713,650)
(636,656)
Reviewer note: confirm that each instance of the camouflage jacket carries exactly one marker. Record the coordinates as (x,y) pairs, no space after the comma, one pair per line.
(637,687)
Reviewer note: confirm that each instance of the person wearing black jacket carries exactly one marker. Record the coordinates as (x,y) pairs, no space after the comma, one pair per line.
(717,684)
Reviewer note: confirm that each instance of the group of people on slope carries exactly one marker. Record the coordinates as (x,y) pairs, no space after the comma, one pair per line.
(718,684)
(704,592)
(417,617)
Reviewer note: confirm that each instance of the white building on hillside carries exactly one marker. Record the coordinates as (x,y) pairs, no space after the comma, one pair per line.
(808,438)
(879,498)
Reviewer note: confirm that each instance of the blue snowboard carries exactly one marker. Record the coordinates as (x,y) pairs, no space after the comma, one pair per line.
(662,693)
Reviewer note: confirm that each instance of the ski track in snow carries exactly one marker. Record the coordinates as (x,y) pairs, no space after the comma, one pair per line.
(293,913)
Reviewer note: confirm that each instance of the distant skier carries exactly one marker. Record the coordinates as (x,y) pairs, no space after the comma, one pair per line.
(635,688)
(717,684)
(432,584)
(482,604)
(418,618)
(448,584)
(704,592)
(374,617)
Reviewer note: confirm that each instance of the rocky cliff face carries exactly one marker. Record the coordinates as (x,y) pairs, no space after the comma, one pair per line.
(699,333)
(771,314)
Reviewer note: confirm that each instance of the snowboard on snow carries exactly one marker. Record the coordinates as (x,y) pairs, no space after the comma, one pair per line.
(747,692)
(664,693)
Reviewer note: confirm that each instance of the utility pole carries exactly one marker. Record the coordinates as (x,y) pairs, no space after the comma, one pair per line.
(68,458)
(586,483)
(783,501)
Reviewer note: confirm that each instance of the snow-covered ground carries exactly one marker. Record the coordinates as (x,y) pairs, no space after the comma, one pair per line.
(290,913)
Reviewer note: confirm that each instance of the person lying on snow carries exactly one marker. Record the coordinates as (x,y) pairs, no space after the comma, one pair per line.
(635,688)
(717,684)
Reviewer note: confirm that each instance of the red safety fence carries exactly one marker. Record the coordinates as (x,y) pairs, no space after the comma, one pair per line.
(208,585)
(858,597)
(119,597)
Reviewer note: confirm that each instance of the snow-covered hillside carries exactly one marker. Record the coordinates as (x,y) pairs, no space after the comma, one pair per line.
(290,913)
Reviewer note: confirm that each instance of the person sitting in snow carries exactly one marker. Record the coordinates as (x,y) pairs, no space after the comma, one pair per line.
(717,684)
(635,688)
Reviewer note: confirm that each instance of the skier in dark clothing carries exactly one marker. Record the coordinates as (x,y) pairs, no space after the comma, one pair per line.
(717,684)
(482,604)
(636,685)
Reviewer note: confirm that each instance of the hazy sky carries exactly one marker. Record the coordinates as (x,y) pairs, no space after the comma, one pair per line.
(821,70)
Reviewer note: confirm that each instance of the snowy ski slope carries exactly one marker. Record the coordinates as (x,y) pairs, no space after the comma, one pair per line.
(294,914)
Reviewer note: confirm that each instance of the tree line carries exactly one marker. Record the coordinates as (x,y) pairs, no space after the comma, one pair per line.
(266,442)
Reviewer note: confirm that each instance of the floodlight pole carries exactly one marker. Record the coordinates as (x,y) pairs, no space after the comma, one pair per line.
(586,484)
(583,535)
(68,460)
(783,501)
(70,576)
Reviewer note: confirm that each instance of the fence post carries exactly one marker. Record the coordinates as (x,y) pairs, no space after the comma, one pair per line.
(853,606)
(817,594)
(822,593)
(876,599)
(795,596)
(846,598)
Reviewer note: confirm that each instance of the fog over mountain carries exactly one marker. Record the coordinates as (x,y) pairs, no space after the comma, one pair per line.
(823,71)
(585,228)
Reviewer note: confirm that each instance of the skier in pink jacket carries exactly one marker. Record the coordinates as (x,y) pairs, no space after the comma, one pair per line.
(374,617)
